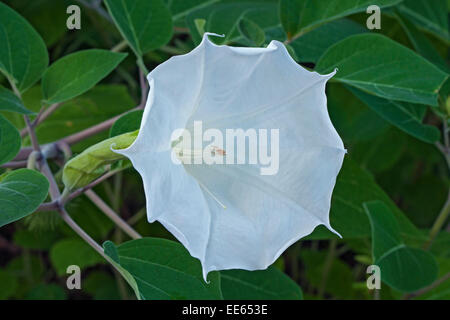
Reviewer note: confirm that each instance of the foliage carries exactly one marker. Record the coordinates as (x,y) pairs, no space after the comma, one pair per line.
(62,92)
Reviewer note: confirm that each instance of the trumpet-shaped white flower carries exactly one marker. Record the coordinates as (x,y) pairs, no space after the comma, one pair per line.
(229,216)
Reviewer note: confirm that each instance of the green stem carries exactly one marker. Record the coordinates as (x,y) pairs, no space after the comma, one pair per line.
(327,267)
(439,222)
(141,65)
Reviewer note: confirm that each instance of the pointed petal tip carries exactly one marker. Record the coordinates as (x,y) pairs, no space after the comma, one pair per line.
(332,230)
(206,34)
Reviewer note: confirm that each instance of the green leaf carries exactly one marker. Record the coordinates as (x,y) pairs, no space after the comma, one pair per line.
(290,13)
(301,16)
(23,55)
(47,292)
(408,269)
(379,65)
(354,186)
(430,15)
(403,268)
(269,284)
(130,121)
(101,286)
(310,46)
(10,102)
(89,164)
(78,72)
(223,18)
(385,229)
(421,43)
(97,105)
(73,252)
(9,285)
(35,240)
(155,263)
(181,8)
(10,141)
(44,15)
(353,120)
(21,192)
(146,25)
(406,116)
(252,32)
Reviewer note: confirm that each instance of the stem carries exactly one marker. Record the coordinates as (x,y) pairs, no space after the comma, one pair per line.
(141,65)
(77,137)
(445,211)
(75,227)
(120,46)
(110,213)
(439,222)
(44,114)
(327,267)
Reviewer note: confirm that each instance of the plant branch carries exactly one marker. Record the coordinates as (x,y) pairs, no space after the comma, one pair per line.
(76,137)
(112,214)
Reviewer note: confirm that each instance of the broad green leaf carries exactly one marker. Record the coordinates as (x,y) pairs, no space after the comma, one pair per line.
(10,102)
(9,284)
(442,291)
(310,46)
(252,32)
(406,116)
(101,286)
(28,272)
(408,269)
(48,17)
(47,292)
(269,284)
(146,25)
(430,15)
(181,8)
(73,252)
(23,55)
(385,229)
(290,13)
(223,18)
(10,141)
(354,186)
(164,269)
(98,104)
(130,121)
(78,72)
(35,240)
(403,268)
(381,153)
(309,14)
(21,192)
(90,164)
(379,65)
(353,120)
(421,43)
(111,251)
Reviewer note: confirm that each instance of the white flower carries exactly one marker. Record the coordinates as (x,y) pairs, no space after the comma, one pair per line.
(231,216)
